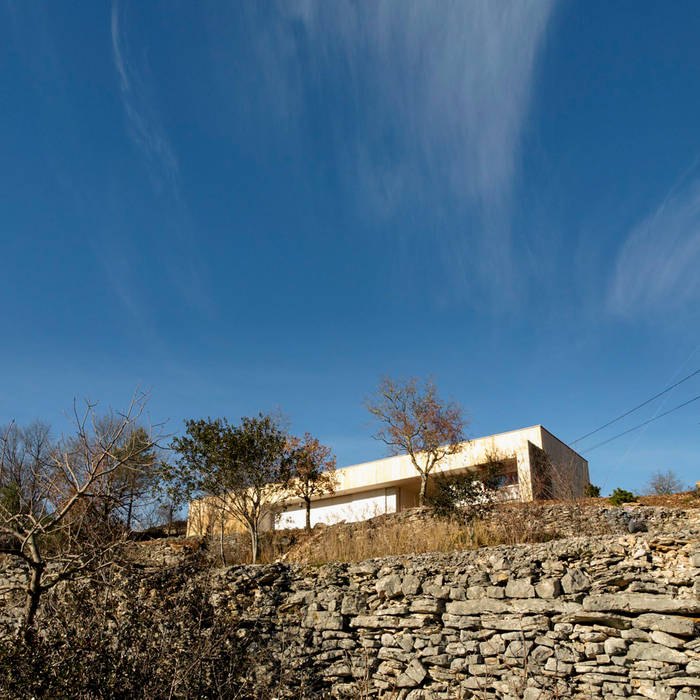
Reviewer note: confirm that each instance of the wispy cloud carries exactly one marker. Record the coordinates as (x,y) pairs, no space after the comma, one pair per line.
(145,126)
(180,256)
(430,103)
(657,265)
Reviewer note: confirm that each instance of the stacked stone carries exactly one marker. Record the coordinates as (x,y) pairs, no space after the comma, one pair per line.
(13,582)
(612,617)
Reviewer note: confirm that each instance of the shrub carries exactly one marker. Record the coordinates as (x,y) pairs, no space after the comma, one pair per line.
(592,491)
(170,644)
(465,496)
(620,496)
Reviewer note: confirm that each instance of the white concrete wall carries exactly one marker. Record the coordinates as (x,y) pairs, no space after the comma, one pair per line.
(569,469)
(351,508)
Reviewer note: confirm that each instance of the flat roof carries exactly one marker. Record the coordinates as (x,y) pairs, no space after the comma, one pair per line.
(485,437)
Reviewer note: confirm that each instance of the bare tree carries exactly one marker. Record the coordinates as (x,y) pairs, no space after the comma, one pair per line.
(312,471)
(48,522)
(131,488)
(664,483)
(413,419)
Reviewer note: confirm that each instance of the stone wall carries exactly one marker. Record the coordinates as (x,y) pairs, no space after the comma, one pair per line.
(605,616)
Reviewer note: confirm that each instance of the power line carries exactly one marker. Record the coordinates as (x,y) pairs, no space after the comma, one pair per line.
(641,425)
(636,408)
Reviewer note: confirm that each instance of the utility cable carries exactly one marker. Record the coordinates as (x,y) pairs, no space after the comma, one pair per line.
(641,425)
(636,408)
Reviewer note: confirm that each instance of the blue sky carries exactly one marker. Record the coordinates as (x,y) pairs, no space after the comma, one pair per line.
(260,206)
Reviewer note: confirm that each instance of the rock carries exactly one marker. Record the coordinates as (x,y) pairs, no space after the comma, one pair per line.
(413,676)
(548,588)
(476,592)
(376,622)
(672,624)
(615,646)
(395,654)
(655,692)
(475,607)
(641,603)
(680,681)
(427,605)
(518,649)
(574,581)
(520,588)
(560,668)
(457,593)
(322,620)
(655,652)
(352,604)
(410,585)
(439,592)
(389,586)
(515,622)
(594,618)
(667,639)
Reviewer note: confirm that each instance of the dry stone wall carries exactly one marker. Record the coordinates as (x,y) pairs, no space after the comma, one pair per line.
(587,617)
(606,616)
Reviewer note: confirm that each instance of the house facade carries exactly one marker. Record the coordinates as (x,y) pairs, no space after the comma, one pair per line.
(534,463)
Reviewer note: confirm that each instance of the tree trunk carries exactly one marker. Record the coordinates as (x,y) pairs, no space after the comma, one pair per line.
(31,601)
(254,543)
(221,544)
(128,514)
(423,488)
(308,514)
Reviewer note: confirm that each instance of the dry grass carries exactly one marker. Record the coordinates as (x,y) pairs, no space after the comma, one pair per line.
(273,545)
(512,525)
(416,532)
(690,499)
(382,537)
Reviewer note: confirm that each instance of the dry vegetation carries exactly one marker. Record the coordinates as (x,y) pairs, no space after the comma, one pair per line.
(410,532)
(690,499)
(418,531)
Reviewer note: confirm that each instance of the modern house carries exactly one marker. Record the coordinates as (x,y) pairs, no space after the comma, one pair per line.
(534,463)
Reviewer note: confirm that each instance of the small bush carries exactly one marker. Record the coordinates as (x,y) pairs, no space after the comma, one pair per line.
(592,491)
(464,496)
(620,496)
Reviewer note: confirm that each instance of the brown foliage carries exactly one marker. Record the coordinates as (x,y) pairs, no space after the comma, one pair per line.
(312,468)
(413,419)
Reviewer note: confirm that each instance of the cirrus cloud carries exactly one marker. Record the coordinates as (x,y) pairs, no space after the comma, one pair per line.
(657,266)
